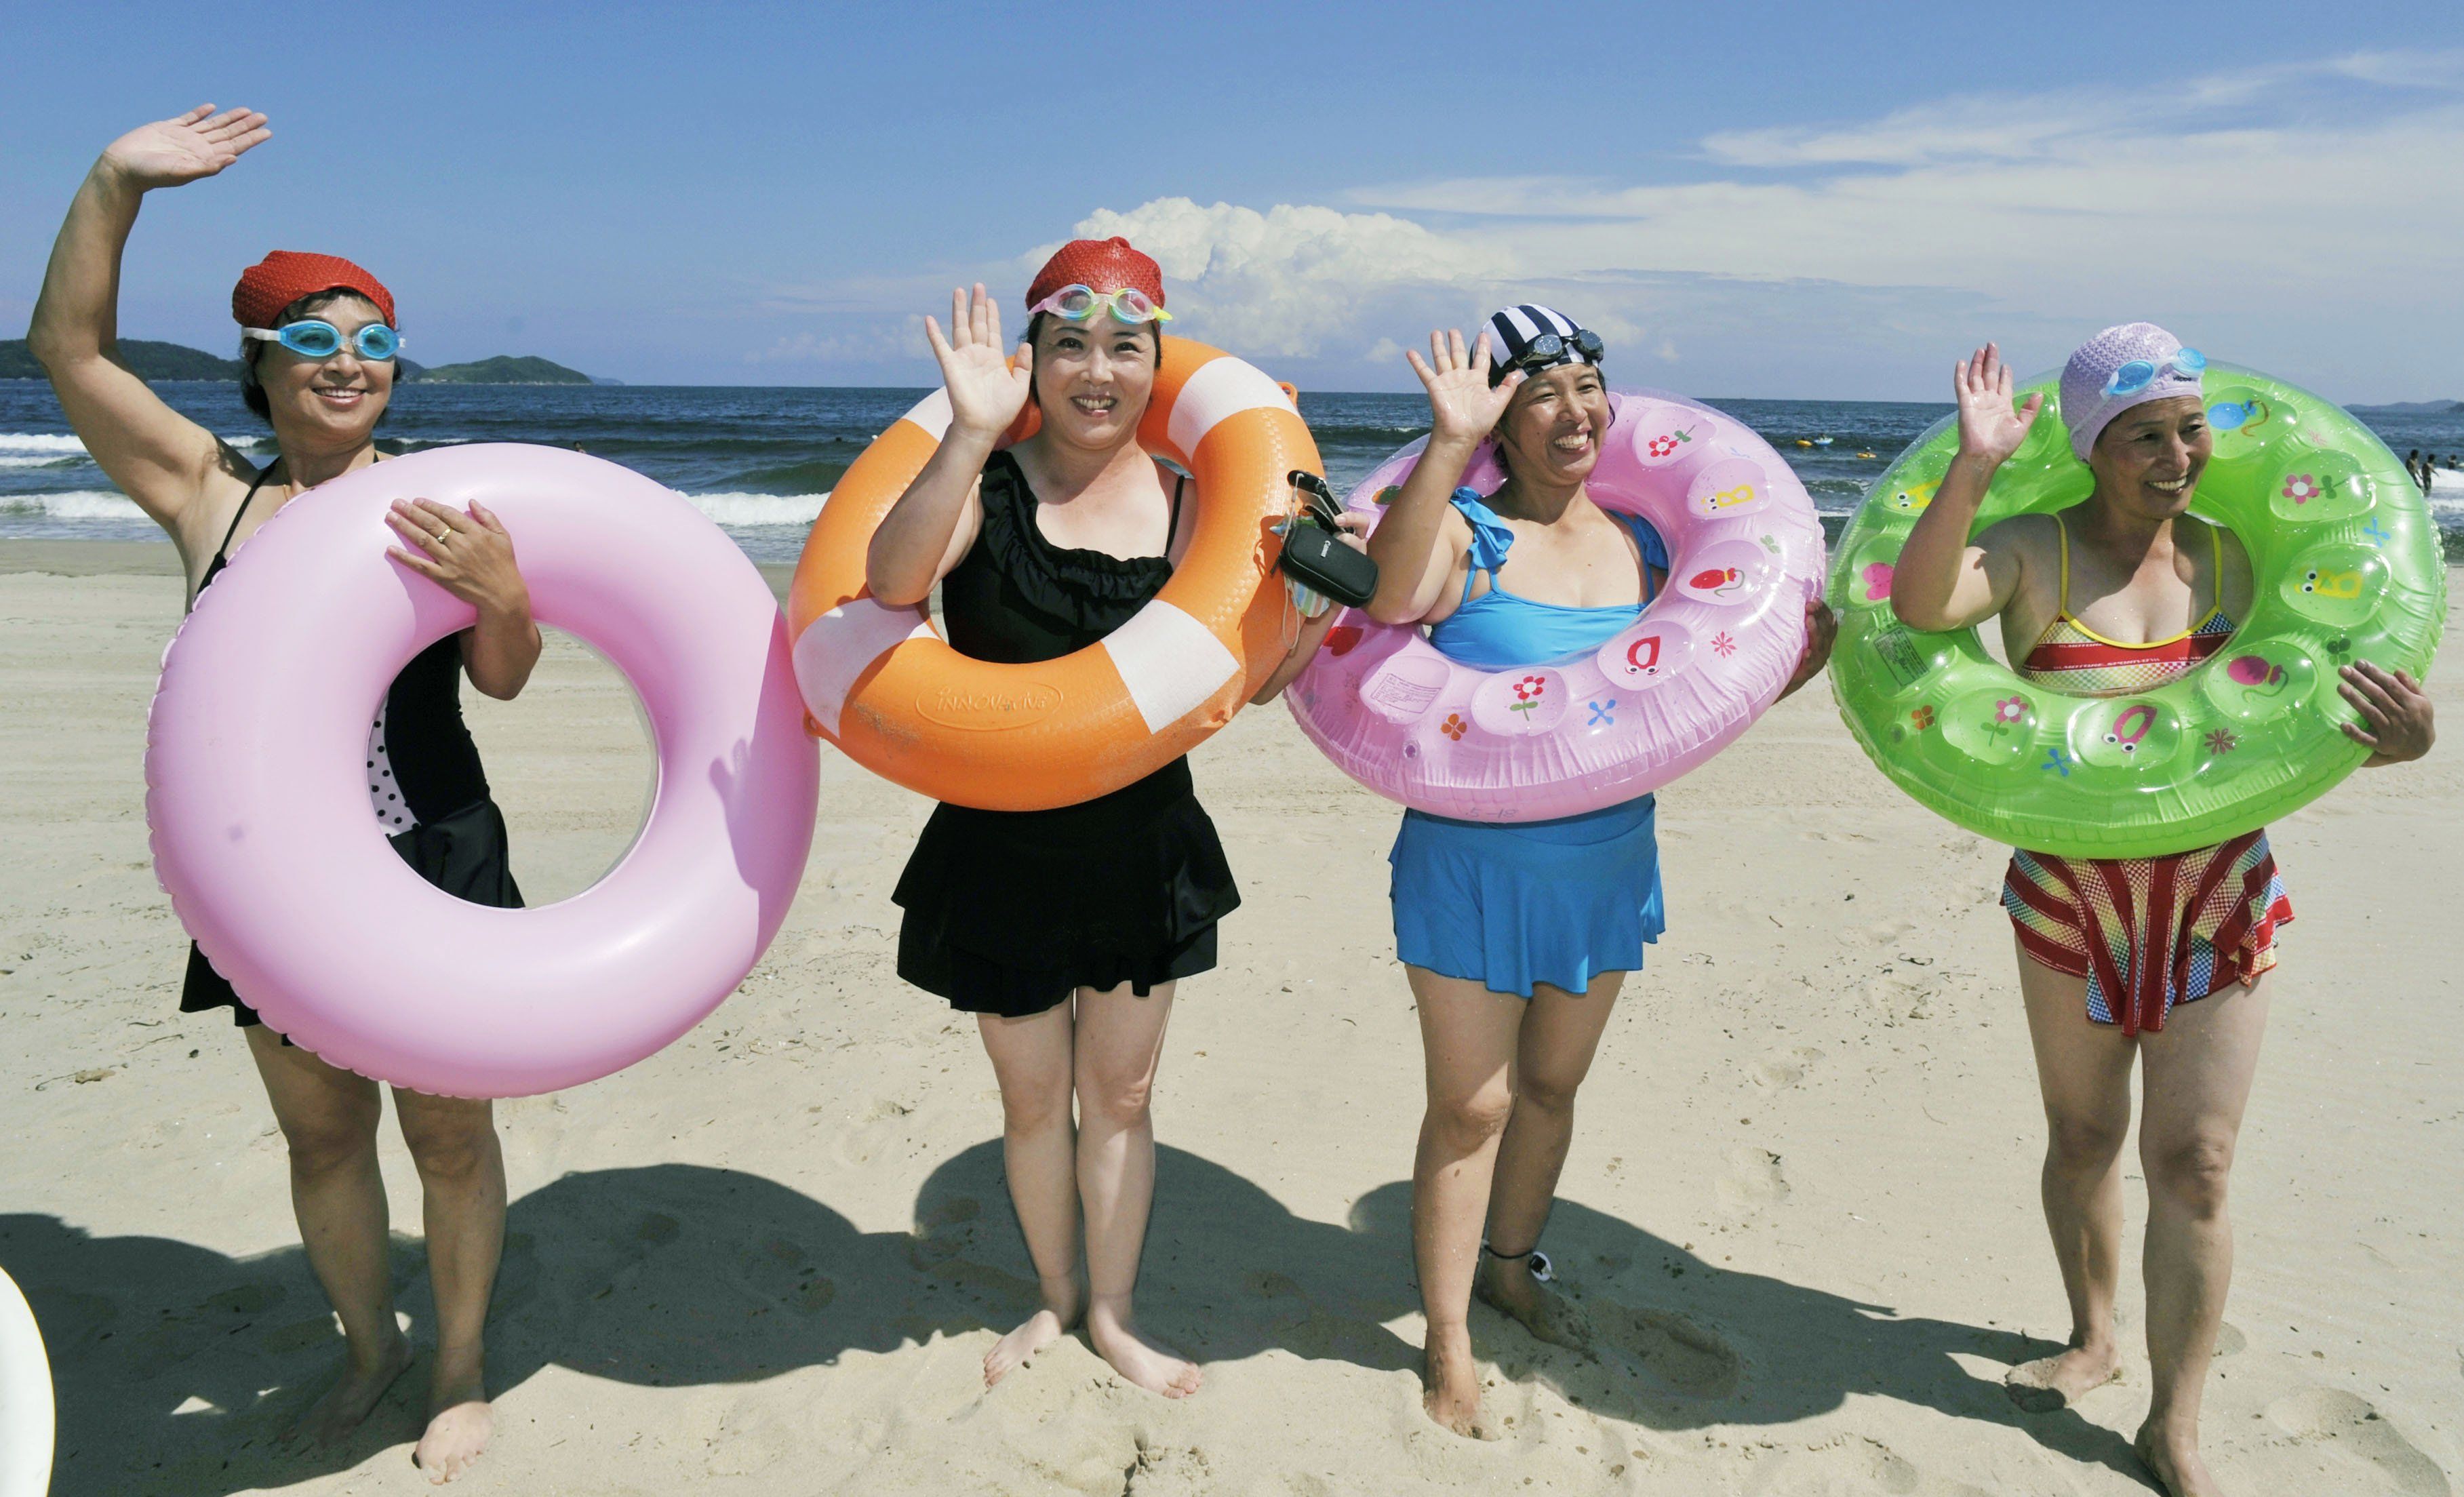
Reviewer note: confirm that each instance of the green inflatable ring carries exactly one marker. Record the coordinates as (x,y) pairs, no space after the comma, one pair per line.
(2347,566)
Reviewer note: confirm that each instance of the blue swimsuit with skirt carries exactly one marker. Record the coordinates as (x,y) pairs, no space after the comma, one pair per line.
(1512,904)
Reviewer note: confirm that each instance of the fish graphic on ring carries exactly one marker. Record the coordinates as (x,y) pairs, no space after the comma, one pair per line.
(2332,584)
(1717,580)
(1727,498)
(2262,675)
(2131,727)
(1636,658)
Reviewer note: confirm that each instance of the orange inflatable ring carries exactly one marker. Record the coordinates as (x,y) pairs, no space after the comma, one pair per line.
(883,685)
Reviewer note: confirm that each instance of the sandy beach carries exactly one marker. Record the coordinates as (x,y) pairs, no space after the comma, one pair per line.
(1801,1206)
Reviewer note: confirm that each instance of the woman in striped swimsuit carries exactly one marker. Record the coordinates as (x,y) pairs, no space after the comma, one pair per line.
(2167,957)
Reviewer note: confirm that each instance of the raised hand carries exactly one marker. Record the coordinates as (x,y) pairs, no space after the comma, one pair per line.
(987,386)
(198,144)
(1463,405)
(1988,428)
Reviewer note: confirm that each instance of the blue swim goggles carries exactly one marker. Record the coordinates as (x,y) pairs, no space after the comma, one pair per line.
(2139,373)
(317,339)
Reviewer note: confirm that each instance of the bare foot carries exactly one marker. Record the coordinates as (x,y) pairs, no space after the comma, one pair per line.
(2059,1381)
(355,1390)
(1134,1356)
(1508,1285)
(2175,1462)
(459,1422)
(1063,1305)
(1451,1384)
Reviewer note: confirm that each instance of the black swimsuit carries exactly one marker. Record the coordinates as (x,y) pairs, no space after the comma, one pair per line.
(424,780)
(1007,912)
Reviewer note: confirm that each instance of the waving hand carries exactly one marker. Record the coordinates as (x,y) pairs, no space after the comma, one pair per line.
(1462,405)
(987,386)
(198,144)
(1988,427)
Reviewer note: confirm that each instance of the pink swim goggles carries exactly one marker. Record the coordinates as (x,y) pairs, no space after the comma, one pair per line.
(1077,303)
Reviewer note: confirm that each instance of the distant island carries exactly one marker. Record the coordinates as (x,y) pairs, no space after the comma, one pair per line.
(141,357)
(504,369)
(2420,408)
(148,360)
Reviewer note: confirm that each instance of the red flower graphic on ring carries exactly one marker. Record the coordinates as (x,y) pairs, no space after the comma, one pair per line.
(2007,711)
(2219,741)
(1454,727)
(1722,646)
(1922,718)
(1662,446)
(2301,488)
(1528,692)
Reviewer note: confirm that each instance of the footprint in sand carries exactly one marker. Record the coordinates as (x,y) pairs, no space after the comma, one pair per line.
(2348,1432)
(1678,1354)
(1753,1181)
(944,1234)
(1785,1068)
(1856,1463)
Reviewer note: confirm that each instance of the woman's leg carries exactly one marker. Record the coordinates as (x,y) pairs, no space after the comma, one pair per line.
(328,1118)
(1120,1045)
(1559,1035)
(2084,1069)
(454,1144)
(1468,1040)
(1031,1058)
(2197,1077)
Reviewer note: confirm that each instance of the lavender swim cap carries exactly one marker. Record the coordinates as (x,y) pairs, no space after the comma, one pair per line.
(2087,409)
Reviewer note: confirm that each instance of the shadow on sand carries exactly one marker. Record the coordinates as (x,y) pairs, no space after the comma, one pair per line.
(177,1367)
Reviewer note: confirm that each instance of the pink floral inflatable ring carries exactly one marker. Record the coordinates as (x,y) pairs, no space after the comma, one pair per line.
(262,834)
(1564,737)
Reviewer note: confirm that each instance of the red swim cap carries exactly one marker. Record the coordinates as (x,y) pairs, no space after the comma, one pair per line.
(285,276)
(1100,264)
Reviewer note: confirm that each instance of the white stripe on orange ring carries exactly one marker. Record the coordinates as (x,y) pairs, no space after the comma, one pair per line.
(843,644)
(1169,662)
(1218,390)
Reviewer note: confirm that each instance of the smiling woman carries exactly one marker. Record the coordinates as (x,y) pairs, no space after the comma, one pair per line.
(318,348)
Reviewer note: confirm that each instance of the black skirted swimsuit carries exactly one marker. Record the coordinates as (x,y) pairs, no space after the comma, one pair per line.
(425,782)
(1008,912)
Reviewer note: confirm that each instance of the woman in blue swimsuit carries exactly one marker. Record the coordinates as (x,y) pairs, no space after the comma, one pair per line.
(1516,937)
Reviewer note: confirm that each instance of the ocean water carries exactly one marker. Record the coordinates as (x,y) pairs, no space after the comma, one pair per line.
(759,461)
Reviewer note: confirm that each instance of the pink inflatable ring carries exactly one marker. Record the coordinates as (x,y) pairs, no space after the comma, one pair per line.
(1565,737)
(261,830)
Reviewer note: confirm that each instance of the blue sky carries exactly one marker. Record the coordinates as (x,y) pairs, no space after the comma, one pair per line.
(1790,199)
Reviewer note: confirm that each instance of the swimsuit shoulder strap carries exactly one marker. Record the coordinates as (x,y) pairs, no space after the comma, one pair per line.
(1649,549)
(223,552)
(2216,560)
(2065,531)
(1172,526)
(1490,539)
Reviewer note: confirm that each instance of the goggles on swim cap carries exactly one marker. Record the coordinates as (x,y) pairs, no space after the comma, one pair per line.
(2139,373)
(1077,303)
(1549,350)
(315,338)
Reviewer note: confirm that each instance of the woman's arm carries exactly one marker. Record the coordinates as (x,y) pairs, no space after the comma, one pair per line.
(929,530)
(1313,632)
(159,457)
(471,556)
(1419,543)
(1941,581)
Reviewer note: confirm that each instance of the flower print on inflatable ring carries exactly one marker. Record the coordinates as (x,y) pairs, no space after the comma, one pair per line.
(1518,703)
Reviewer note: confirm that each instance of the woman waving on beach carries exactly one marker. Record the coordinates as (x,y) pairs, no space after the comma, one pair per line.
(2160,961)
(1063,931)
(1516,937)
(317,350)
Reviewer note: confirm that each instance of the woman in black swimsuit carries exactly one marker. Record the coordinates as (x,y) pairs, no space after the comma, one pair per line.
(1064,931)
(317,352)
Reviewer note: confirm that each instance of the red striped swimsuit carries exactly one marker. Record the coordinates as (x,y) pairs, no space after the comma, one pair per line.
(2147,932)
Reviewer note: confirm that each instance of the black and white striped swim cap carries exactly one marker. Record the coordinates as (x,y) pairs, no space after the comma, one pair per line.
(1512,331)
